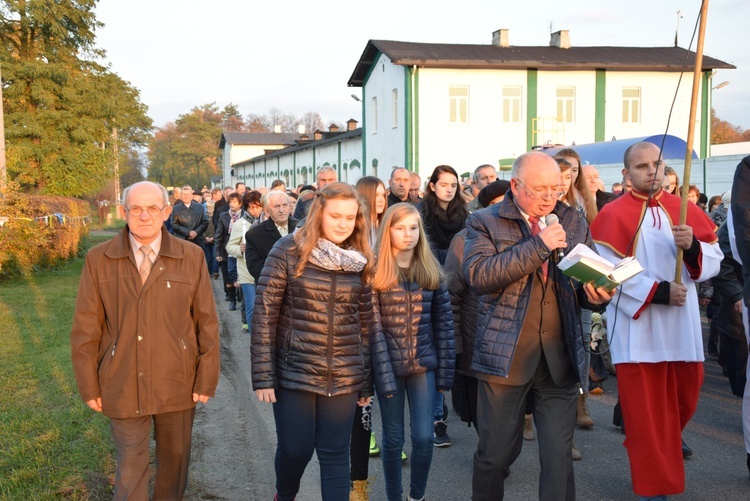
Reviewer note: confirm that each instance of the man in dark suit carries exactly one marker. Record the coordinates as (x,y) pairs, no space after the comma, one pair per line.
(740,221)
(261,237)
(189,219)
(528,341)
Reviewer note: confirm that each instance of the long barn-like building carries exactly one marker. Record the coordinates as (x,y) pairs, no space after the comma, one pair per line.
(426,104)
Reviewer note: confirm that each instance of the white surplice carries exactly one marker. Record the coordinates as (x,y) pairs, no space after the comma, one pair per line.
(661,332)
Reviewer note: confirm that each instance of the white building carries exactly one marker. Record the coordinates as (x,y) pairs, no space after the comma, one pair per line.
(426,104)
(299,163)
(238,146)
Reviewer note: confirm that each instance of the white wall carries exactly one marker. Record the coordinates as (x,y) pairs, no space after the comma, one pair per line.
(581,130)
(657,93)
(387,144)
(484,138)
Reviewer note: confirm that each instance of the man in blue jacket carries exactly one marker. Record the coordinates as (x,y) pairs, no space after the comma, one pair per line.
(528,339)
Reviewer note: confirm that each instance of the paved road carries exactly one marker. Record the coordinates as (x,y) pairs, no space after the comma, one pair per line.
(235,440)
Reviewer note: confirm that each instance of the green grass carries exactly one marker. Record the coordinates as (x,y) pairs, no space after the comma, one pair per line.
(52,446)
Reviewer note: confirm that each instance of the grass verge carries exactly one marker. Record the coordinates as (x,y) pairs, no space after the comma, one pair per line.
(52,446)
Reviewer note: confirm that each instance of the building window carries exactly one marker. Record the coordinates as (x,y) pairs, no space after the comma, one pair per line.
(394,98)
(511,104)
(374,113)
(459,104)
(566,104)
(631,105)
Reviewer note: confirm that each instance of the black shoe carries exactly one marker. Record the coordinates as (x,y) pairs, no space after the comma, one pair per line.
(686,451)
(748,462)
(233,305)
(617,417)
(713,348)
(440,437)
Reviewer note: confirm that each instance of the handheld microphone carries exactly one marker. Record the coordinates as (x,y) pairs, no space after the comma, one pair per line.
(553,219)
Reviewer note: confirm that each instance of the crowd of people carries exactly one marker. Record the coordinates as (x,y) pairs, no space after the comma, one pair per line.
(382,296)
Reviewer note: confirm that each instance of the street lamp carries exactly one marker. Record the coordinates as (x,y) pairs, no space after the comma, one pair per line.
(721,85)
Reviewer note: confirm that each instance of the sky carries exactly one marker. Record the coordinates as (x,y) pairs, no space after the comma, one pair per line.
(297,56)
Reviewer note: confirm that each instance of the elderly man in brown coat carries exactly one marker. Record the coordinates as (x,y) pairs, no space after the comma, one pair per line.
(145,343)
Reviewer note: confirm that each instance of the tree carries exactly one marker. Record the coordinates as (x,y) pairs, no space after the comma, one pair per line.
(187,150)
(723,132)
(312,121)
(61,105)
(231,119)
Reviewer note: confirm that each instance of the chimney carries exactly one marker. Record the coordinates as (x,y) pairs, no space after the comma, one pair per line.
(301,129)
(277,129)
(500,38)
(560,39)
(317,135)
(351,124)
(333,128)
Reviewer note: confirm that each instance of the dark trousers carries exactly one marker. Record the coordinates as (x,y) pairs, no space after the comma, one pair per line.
(500,413)
(228,283)
(360,446)
(305,423)
(172,433)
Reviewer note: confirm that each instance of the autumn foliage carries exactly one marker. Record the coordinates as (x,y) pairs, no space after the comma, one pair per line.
(28,241)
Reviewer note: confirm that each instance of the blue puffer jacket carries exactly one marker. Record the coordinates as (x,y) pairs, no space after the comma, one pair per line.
(412,333)
(499,257)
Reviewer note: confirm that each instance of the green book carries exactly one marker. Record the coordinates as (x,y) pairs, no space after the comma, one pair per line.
(586,266)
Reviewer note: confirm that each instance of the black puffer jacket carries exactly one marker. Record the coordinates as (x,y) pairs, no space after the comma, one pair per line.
(499,257)
(412,333)
(310,333)
(464,302)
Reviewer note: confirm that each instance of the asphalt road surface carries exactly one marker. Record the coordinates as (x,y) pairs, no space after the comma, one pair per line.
(234,443)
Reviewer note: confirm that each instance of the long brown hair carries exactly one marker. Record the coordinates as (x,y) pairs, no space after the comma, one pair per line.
(589,202)
(570,196)
(424,270)
(306,237)
(368,188)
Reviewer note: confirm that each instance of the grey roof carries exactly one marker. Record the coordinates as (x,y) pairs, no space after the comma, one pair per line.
(271,138)
(436,55)
(332,138)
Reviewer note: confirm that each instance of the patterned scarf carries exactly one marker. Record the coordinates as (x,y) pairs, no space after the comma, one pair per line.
(329,256)
(233,217)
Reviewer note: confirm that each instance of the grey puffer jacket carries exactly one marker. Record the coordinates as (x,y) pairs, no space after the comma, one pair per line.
(499,257)
(310,333)
(412,333)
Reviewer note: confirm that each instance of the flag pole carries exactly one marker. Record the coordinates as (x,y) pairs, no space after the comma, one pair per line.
(691,132)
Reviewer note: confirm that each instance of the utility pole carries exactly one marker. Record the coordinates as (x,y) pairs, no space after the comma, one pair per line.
(3,170)
(117,173)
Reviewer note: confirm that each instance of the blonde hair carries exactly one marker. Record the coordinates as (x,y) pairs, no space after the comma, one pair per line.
(306,237)
(424,270)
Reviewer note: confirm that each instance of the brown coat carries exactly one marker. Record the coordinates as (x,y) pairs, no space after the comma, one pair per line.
(145,350)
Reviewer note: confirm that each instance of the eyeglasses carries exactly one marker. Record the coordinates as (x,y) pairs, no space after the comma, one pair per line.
(152,211)
(546,192)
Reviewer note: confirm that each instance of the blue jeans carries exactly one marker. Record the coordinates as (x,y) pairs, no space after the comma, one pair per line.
(232,269)
(248,292)
(420,389)
(213,265)
(307,422)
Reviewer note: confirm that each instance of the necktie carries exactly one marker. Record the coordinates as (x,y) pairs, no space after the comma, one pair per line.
(535,229)
(146,264)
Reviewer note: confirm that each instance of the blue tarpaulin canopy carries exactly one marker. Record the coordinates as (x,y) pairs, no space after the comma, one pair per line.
(611,152)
